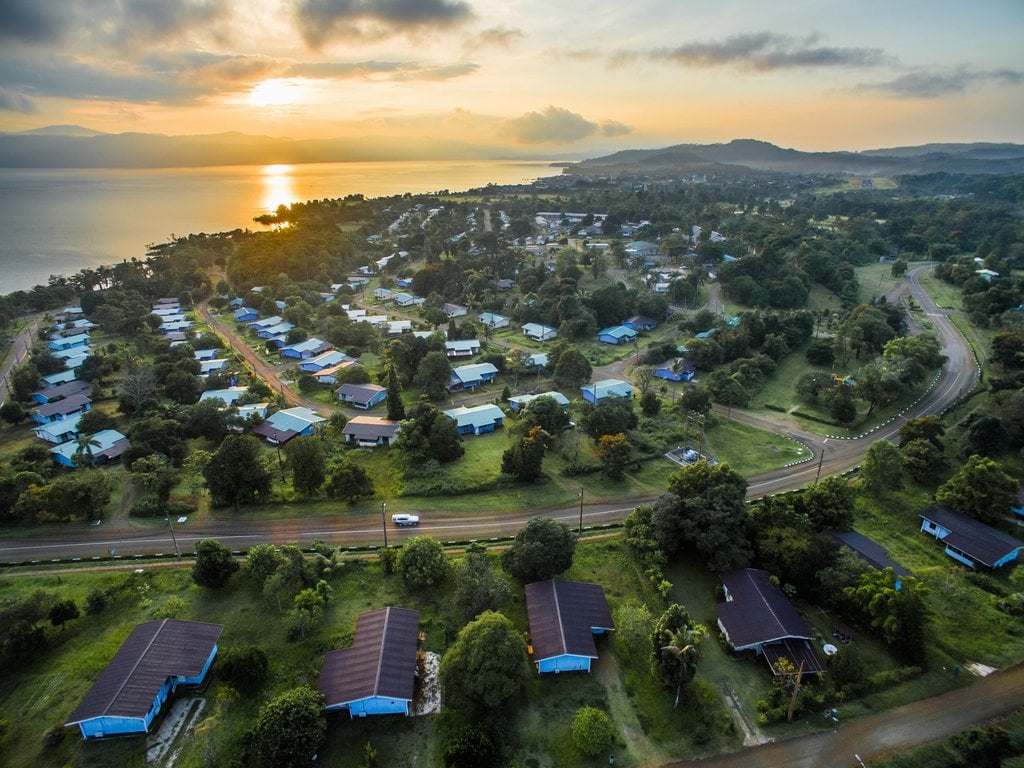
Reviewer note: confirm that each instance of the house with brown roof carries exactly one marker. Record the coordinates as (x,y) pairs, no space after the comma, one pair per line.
(757,617)
(157,659)
(377,674)
(370,431)
(564,618)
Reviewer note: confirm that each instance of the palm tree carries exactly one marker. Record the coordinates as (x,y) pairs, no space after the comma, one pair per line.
(683,645)
(83,449)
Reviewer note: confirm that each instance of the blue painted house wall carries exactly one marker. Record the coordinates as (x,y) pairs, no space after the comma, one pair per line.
(564,663)
(667,373)
(374,705)
(99,727)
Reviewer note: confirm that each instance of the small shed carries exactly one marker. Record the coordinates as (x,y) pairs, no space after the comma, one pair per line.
(564,618)
(376,675)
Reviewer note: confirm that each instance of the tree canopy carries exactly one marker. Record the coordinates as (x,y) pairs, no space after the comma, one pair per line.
(290,729)
(486,666)
(542,549)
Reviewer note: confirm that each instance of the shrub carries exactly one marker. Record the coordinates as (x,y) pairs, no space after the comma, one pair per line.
(592,730)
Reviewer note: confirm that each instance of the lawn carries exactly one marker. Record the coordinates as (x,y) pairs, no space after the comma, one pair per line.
(751,451)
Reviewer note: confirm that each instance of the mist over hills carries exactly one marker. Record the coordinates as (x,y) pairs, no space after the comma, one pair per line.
(72,146)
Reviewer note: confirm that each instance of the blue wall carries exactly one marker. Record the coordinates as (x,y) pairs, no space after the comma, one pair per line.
(564,663)
(375,705)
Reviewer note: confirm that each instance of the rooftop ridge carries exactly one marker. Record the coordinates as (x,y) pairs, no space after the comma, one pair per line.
(138,661)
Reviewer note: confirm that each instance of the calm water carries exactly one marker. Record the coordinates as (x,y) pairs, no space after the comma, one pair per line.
(59,221)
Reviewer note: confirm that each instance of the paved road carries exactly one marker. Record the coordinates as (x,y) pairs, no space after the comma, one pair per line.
(40,543)
(16,353)
(912,725)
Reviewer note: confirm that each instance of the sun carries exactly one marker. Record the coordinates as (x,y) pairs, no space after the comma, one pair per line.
(275,92)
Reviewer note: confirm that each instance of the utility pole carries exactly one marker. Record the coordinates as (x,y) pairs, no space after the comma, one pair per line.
(384,522)
(581,510)
(821,459)
(170,523)
(796,692)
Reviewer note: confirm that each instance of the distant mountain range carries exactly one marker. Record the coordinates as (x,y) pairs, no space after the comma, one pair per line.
(753,155)
(73,146)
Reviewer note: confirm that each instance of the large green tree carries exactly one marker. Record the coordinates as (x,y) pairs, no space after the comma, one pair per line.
(524,459)
(592,730)
(542,549)
(675,647)
(214,564)
(573,370)
(882,469)
(290,729)
(434,374)
(423,563)
(485,668)
(705,508)
(308,464)
(896,608)
(478,586)
(980,489)
(237,473)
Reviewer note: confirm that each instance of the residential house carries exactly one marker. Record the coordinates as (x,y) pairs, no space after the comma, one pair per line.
(236,302)
(398,327)
(493,320)
(706,334)
(363,396)
(404,299)
(332,374)
(103,447)
(564,618)
(61,409)
(246,314)
(74,341)
(757,616)
(616,334)
(403,282)
(867,550)
(477,420)
(521,401)
(462,348)
(323,361)
(170,310)
(72,354)
(56,379)
(156,659)
(601,390)
(470,376)
(280,427)
(377,320)
(370,431)
(176,325)
(275,331)
(377,674)
(61,430)
(52,394)
(662,287)
(640,323)
(505,284)
(539,332)
(206,367)
(266,322)
(304,350)
(535,362)
(454,310)
(382,294)
(970,541)
(227,396)
(205,354)
(679,369)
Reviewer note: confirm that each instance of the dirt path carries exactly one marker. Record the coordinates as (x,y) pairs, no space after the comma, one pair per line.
(895,730)
(15,354)
(646,752)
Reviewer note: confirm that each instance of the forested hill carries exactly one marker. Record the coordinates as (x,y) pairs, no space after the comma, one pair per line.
(753,155)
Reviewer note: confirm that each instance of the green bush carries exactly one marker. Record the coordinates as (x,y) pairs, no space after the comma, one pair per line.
(890,677)
(592,730)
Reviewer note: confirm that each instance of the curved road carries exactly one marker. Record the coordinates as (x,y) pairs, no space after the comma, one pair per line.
(47,542)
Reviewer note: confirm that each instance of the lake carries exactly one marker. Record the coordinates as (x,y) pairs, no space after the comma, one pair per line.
(59,221)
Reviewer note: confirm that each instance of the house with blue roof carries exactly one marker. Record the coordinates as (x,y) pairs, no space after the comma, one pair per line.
(205,354)
(404,299)
(69,342)
(539,332)
(305,350)
(536,361)
(60,430)
(477,420)
(227,396)
(236,302)
(103,447)
(606,388)
(284,425)
(266,322)
(640,323)
(323,361)
(679,369)
(206,367)
(462,348)
(617,334)
(521,401)
(470,376)
(493,320)
(60,377)
(177,325)
(275,331)
(246,314)
(706,334)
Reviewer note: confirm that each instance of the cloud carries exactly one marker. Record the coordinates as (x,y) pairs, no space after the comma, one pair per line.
(12,101)
(159,20)
(933,85)
(322,20)
(31,21)
(767,51)
(614,128)
(556,125)
(497,37)
(386,70)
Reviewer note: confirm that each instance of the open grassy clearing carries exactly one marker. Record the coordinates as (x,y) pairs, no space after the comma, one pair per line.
(875,280)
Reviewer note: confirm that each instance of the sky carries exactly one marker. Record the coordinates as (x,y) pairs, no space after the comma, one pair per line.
(530,76)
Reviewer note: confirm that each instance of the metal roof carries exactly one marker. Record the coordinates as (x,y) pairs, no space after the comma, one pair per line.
(867,550)
(476,416)
(562,615)
(373,427)
(380,662)
(153,652)
(975,539)
(757,611)
(69,404)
